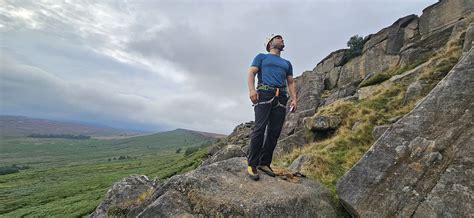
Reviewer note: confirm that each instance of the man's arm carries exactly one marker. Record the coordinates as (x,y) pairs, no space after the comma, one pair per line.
(292,89)
(251,83)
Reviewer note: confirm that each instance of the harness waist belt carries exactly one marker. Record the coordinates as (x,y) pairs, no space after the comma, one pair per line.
(267,87)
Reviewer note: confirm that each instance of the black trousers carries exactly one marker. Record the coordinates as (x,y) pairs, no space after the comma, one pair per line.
(269,117)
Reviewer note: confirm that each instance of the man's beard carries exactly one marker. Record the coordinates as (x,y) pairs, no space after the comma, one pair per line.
(278,46)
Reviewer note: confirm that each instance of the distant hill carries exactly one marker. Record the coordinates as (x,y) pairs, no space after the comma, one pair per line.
(207,134)
(22,126)
(178,138)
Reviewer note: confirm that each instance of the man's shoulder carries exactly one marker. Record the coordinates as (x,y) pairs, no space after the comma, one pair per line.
(286,60)
(279,57)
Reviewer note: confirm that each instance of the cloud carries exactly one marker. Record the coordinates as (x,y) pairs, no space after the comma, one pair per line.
(164,64)
(27,88)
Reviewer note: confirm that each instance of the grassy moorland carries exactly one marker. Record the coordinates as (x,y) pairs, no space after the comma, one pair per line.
(68,177)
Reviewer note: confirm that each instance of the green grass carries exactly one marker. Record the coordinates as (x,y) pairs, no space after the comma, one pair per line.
(331,158)
(70,177)
(376,79)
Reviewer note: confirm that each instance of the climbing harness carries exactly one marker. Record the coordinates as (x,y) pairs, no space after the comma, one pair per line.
(277,94)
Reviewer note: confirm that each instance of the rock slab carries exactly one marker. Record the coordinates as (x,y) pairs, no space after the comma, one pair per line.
(423,165)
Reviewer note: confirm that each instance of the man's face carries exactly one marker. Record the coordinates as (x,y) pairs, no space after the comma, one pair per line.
(278,43)
(278,39)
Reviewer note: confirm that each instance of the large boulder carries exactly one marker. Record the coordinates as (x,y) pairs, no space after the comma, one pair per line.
(310,86)
(241,134)
(296,140)
(294,121)
(322,123)
(222,189)
(423,165)
(225,153)
(125,195)
(297,164)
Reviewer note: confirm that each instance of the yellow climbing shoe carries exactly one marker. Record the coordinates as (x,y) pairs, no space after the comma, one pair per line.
(252,172)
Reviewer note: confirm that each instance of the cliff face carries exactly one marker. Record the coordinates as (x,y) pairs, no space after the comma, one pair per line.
(401,141)
(409,41)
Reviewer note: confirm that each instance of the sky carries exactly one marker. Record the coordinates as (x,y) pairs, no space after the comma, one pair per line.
(157,65)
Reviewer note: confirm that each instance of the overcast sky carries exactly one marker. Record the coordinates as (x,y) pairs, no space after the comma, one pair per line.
(160,65)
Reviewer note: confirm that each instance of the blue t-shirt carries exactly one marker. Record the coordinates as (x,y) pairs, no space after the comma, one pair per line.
(272,70)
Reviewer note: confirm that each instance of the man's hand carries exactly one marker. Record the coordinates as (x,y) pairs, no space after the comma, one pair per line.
(293,105)
(292,90)
(253,96)
(251,83)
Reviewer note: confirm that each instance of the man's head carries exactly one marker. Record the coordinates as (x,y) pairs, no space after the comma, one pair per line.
(274,41)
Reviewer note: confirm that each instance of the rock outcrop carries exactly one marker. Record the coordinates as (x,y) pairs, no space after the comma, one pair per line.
(410,40)
(229,151)
(443,13)
(423,165)
(296,165)
(222,189)
(240,136)
(322,123)
(309,88)
(219,189)
(125,196)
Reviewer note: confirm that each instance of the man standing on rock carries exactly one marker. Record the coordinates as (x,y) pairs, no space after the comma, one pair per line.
(269,99)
